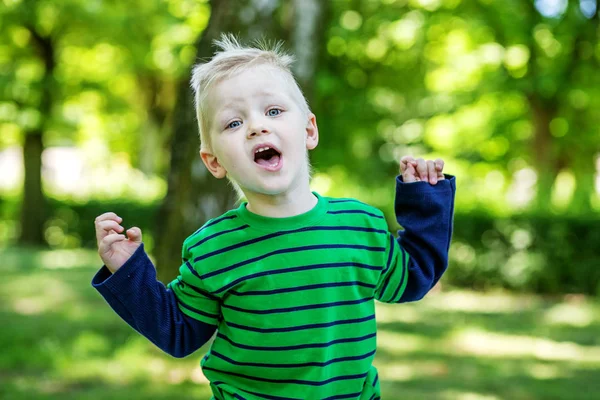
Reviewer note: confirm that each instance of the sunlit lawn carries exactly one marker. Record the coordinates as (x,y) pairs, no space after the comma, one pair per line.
(59,340)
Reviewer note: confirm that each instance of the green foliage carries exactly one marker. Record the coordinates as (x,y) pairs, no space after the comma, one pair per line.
(539,253)
(116,66)
(64,342)
(73,223)
(477,83)
(495,88)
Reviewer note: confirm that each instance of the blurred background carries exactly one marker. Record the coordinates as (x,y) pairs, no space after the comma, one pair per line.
(96,115)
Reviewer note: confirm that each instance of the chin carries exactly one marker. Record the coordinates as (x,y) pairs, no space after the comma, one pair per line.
(274,189)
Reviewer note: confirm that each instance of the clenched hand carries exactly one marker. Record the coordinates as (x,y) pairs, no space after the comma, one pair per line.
(114,247)
(420,170)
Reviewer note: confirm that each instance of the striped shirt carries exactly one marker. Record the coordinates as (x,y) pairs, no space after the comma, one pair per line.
(293,299)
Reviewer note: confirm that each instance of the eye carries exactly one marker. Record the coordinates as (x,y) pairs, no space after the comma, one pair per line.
(234,124)
(273,112)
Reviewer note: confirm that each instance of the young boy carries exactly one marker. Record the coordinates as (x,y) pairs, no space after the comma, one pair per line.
(289,279)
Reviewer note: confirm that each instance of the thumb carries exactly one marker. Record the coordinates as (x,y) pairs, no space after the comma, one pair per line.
(134,234)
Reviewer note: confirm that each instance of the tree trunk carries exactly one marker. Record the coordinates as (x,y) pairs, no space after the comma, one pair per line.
(308,17)
(33,207)
(150,157)
(193,195)
(583,155)
(544,157)
(584,171)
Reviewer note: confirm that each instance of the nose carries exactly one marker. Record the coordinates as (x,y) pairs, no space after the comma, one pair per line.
(254,132)
(257,127)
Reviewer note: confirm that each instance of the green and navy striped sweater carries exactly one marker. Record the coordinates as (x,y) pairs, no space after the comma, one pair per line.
(292,299)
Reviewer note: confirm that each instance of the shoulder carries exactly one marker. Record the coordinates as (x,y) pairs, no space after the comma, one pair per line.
(212,228)
(350,207)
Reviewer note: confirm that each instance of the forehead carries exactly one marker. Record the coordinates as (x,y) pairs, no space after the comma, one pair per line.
(258,81)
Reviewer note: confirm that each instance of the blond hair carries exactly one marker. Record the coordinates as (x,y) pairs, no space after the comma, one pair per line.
(230,60)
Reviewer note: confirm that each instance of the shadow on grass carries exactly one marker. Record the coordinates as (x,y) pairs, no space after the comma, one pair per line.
(430,375)
(465,345)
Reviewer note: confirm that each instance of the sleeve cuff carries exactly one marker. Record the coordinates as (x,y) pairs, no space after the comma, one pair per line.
(445,185)
(120,281)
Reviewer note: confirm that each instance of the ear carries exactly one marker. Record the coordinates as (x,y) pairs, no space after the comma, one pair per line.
(212,164)
(312,132)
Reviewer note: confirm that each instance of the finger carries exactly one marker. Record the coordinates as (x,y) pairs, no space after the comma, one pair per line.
(134,234)
(422,170)
(105,228)
(409,174)
(404,161)
(407,160)
(108,241)
(109,225)
(108,216)
(439,166)
(431,172)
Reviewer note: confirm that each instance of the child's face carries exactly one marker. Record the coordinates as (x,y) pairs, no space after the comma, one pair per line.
(251,111)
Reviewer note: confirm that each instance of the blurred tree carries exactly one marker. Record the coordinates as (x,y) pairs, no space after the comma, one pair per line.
(497,88)
(36,101)
(75,73)
(33,209)
(493,87)
(194,196)
(559,43)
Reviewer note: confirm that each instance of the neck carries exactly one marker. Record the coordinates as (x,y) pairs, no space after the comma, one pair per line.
(289,204)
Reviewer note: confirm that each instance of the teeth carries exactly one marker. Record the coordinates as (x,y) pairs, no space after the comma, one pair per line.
(262,149)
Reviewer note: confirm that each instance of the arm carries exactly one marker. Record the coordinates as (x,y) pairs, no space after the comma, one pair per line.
(151,308)
(425,212)
(128,283)
(419,257)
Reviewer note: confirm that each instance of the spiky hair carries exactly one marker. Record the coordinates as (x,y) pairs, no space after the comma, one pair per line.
(232,58)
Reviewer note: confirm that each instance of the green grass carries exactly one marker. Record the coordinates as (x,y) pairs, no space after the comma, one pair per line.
(60,340)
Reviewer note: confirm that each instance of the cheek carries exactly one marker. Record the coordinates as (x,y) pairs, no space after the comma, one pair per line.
(231,158)
(222,149)
(297,141)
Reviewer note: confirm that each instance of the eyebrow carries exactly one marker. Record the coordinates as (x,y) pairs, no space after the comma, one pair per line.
(262,93)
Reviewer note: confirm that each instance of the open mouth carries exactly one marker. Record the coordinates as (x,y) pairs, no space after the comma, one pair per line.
(267,157)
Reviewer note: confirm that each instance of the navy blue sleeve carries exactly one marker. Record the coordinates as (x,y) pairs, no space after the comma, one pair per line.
(426,213)
(151,308)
